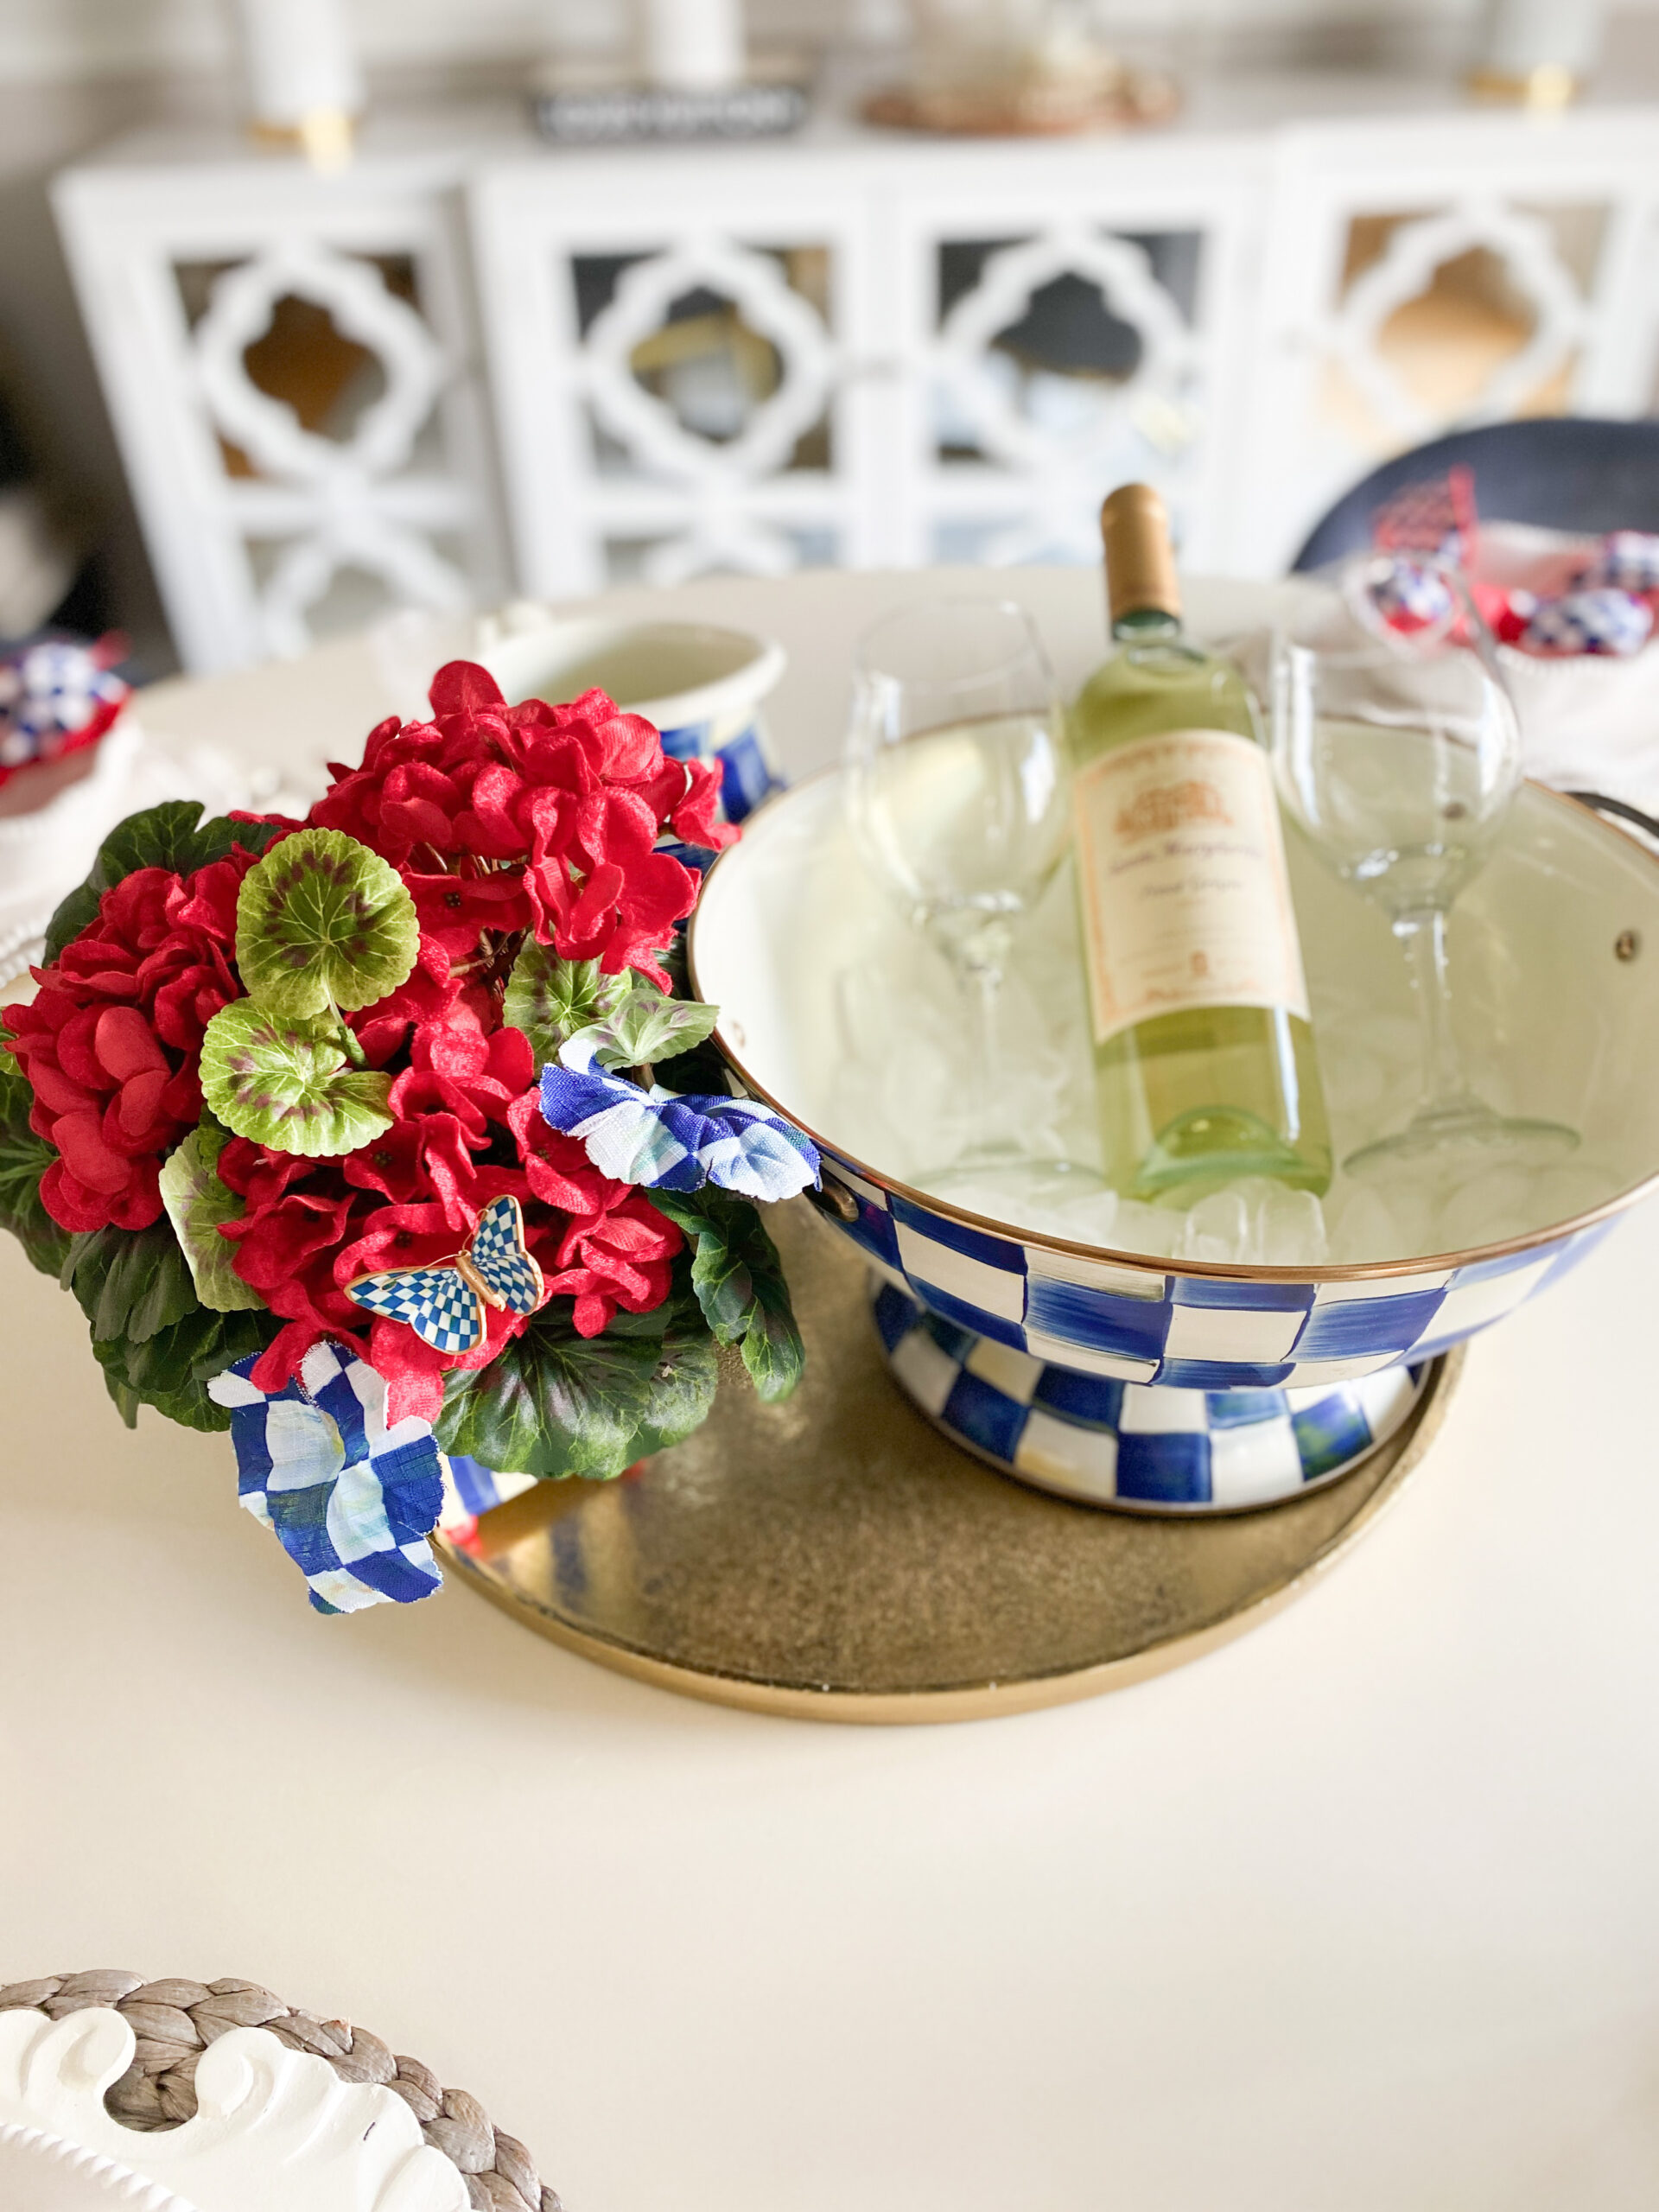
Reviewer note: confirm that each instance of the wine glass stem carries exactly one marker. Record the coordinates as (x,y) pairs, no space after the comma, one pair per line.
(982,984)
(1446,1088)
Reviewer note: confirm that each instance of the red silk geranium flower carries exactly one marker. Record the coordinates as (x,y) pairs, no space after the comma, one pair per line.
(110,1042)
(565,804)
(411,1199)
(504,821)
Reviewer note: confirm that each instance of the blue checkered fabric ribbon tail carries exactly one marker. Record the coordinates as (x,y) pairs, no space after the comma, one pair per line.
(667,1142)
(350,1501)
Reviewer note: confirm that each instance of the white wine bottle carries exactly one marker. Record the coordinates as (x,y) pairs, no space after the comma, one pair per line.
(1204,1063)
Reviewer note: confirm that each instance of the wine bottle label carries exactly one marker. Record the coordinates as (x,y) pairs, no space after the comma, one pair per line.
(1186,893)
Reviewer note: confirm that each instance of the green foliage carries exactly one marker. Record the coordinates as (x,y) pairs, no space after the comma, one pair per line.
(156,1344)
(286,1084)
(24,1158)
(171,836)
(648,1026)
(701,1069)
(549,999)
(171,1369)
(553,1403)
(130,1283)
(626,1018)
(323,923)
(739,1284)
(197,1202)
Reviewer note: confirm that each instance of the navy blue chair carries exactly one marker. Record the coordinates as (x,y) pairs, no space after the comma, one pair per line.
(1560,471)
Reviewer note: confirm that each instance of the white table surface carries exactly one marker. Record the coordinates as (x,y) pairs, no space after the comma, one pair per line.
(1359,1913)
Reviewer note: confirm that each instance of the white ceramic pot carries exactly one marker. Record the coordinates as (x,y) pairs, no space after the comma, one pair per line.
(702,686)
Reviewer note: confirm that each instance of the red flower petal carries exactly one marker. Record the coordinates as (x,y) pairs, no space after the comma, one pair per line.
(126,1046)
(79,1138)
(139,1098)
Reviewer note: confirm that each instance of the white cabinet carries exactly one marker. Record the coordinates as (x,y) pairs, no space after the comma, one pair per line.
(291,361)
(847,348)
(1424,274)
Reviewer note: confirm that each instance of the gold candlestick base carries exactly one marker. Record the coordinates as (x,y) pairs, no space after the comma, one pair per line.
(326,135)
(1548,87)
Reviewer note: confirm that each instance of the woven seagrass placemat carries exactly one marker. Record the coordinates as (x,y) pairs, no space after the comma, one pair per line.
(174,2021)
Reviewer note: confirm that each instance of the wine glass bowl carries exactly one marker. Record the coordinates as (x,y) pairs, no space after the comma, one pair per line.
(958,798)
(1399,764)
(1398,756)
(958,784)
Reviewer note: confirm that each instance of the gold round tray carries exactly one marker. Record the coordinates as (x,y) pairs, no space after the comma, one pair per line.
(834,1558)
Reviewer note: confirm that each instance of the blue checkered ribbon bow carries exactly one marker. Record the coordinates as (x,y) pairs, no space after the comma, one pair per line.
(670,1142)
(350,1501)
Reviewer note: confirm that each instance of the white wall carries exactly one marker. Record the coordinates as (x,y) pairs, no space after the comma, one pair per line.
(79,39)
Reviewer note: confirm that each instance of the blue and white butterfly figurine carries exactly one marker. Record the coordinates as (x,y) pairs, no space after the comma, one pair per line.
(445,1305)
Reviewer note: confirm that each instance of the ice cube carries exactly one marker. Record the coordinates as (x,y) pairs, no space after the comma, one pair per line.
(1572,1188)
(1355,1080)
(1218,1228)
(1286,1227)
(1091,1219)
(1156,1231)
(1504,1202)
(1363,1230)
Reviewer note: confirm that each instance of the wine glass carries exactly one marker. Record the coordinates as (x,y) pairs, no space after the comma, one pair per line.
(1398,753)
(959,799)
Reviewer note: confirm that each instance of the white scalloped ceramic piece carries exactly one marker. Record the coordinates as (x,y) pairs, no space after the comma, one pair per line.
(275,2130)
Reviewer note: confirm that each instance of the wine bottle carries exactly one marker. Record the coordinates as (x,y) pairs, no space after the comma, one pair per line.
(1204,1062)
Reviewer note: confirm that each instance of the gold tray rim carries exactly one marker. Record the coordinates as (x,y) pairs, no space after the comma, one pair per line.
(992,1700)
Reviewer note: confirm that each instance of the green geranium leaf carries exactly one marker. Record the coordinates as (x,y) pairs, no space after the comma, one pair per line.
(197,1203)
(647,1027)
(549,1000)
(171,1369)
(24,1158)
(739,1284)
(286,1084)
(130,1283)
(323,923)
(553,1403)
(701,1068)
(171,836)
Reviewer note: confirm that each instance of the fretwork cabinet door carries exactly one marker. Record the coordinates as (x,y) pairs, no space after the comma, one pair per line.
(679,351)
(1425,275)
(291,363)
(1069,318)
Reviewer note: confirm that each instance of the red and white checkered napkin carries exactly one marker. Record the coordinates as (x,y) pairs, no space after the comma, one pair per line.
(1571,616)
(1541,592)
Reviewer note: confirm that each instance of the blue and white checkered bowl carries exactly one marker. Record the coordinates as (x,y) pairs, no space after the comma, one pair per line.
(702,686)
(1556,948)
(1135,1445)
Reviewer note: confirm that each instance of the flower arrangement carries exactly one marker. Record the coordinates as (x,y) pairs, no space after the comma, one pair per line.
(356,1117)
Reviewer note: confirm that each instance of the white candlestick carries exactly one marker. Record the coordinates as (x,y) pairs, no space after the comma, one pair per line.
(300,62)
(693,44)
(1524,35)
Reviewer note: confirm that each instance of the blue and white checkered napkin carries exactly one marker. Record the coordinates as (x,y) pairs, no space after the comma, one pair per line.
(48,692)
(1412,596)
(350,1501)
(669,1142)
(1627,560)
(1600,621)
